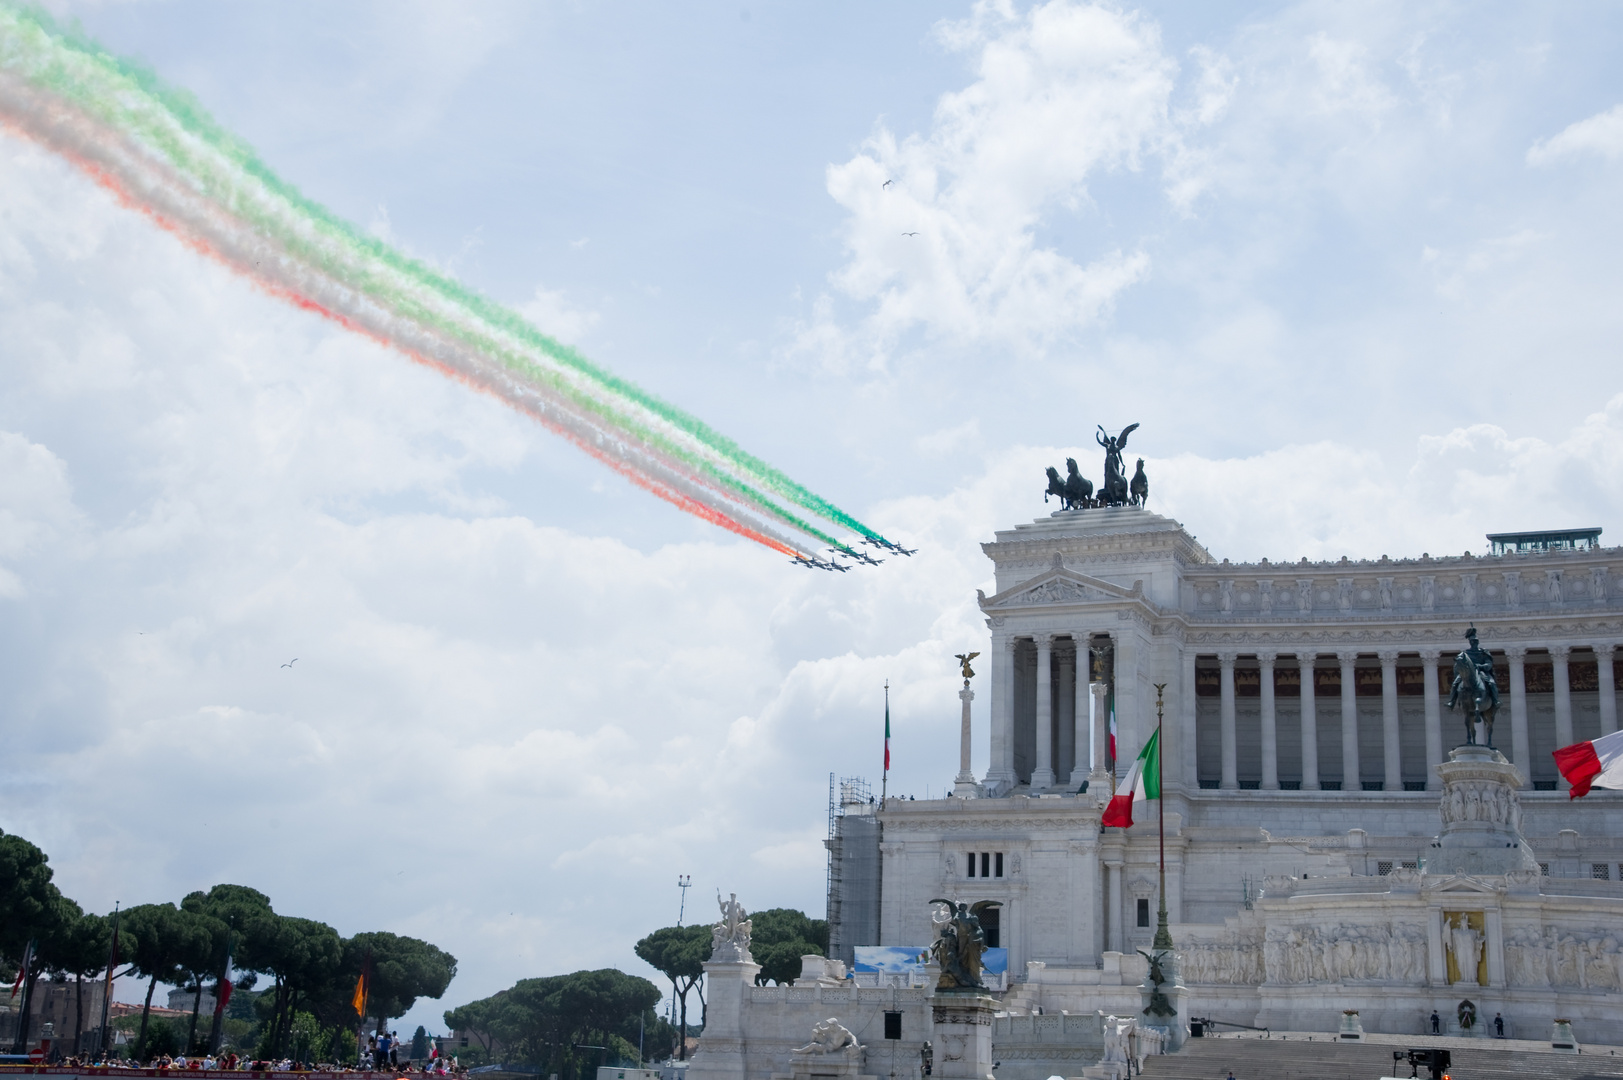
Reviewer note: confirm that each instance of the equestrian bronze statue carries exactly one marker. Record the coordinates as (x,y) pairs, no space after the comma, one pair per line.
(1475,689)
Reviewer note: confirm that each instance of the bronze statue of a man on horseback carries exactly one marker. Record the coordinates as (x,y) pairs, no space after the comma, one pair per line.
(1475,689)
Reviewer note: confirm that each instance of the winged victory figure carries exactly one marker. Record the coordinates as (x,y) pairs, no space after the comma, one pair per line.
(1114,490)
(963,660)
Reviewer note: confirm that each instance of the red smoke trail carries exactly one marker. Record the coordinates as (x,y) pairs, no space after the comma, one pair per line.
(115,186)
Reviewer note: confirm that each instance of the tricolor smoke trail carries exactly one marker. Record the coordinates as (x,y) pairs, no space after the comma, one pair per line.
(157,151)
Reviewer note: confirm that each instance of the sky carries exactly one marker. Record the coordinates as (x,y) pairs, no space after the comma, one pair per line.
(1353,268)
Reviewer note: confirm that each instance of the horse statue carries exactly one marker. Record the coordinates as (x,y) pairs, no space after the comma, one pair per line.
(1078,488)
(1474,688)
(1056,486)
(1139,488)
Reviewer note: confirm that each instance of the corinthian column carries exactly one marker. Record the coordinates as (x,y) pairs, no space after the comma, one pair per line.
(1434,720)
(1351,778)
(1000,770)
(964,783)
(1520,748)
(1231,772)
(1101,784)
(1390,746)
(1607,686)
(1079,713)
(1563,700)
(1306,663)
(1042,777)
(1270,733)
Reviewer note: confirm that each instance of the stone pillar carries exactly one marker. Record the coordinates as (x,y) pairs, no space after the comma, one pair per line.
(1186,733)
(1351,778)
(1113,910)
(1306,663)
(1607,685)
(1390,746)
(1042,773)
(1000,771)
(1481,831)
(1065,723)
(1130,733)
(1100,783)
(963,784)
(1231,771)
(1563,701)
(1083,740)
(962,1036)
(1270,732)
(1520,747)
(1434,719)
(720,1055)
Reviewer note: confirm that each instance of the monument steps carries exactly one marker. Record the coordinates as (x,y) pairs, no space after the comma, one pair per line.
(1290,1059)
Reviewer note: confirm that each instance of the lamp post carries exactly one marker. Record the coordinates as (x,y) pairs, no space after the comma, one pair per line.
(1163,936)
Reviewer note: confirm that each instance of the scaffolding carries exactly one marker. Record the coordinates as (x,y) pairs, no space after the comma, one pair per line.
(852,879)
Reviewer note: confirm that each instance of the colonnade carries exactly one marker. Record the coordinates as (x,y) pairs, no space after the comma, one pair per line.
(1392,764)
(1065,740)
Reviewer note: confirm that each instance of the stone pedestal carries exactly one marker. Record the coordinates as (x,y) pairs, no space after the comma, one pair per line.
(1482,816)
(963,1035)
(846,1064)
(964,785)
(1562,1041)
(1352,1029)
(1177,995)
(721,1048)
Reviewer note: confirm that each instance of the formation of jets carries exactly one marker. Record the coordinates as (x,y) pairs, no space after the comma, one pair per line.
(812,562)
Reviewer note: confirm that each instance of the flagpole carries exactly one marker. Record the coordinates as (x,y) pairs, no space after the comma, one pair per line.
(1163,936)
(884,777)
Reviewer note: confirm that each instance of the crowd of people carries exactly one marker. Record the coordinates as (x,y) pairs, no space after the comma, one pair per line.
(380,1055)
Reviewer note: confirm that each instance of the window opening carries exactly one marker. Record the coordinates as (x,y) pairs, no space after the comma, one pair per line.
(1143,912)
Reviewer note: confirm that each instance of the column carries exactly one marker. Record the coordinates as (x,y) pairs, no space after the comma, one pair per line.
(1392,749)
(1270,733)
(1000,770)
(1082,740)
(1520,748)
(1186,734)
(1607,686)
(1563,700)
(1113,910)
(964,783)
(1064,723)
(1306,663)
(1434,720)
(1351,778)
(1042,774)
(1231,770)
(1100,781)
(1130,733)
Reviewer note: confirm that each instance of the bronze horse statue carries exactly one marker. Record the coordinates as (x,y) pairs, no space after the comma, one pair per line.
(1075,491)
(1470,690)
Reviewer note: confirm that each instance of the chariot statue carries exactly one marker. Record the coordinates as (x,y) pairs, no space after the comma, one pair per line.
(1114,491)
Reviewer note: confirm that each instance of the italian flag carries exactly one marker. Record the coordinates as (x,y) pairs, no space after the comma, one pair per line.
(1595,763)
(1142,782)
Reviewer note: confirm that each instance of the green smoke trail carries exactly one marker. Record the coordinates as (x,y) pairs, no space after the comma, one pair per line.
(181,109)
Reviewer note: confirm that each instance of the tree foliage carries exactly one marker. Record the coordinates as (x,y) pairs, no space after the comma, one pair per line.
(562,1020)
(779,937)
(679,953)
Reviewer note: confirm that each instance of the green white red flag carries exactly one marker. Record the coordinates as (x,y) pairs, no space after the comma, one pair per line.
(1142,783)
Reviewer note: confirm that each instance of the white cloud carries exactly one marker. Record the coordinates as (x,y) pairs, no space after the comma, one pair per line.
(1063,92)
(551,312)
(1601,134)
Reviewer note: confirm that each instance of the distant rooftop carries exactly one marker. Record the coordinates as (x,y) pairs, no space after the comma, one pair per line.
(1554,540)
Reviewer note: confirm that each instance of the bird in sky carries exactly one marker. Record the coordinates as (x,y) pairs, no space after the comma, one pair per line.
(910,234)
(886,184)
(291,662)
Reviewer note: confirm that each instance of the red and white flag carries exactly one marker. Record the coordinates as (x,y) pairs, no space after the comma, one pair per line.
(1594,763)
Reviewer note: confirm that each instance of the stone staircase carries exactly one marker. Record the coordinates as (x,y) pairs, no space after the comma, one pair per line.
(1295,1058)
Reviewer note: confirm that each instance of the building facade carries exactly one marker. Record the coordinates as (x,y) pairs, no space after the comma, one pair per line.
(1303,716)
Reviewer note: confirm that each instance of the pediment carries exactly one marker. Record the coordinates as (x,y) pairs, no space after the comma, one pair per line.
(1465,884)
(1059,586)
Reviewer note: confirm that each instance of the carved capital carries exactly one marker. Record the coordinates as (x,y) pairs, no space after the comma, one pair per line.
(1388,658)
(1307,660)
(1266,658)
(1559,653)
(1348,657)
(1226,660)
(1603,650)
(1516,653)
(1045,642)
(1429,655)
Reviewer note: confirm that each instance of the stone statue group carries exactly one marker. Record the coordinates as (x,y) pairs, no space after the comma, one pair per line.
(1076,492)
(960,943)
